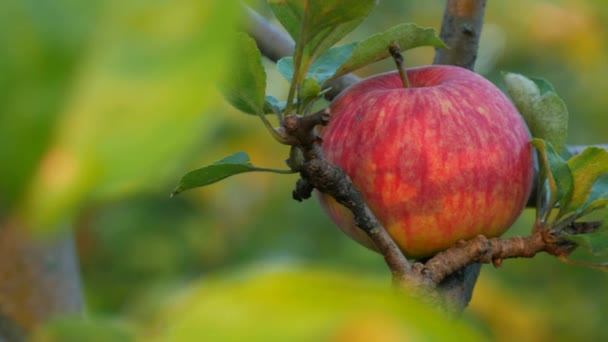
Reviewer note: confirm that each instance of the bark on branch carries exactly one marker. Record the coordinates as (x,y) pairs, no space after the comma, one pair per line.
(330,179)
(483,250)
(39,279)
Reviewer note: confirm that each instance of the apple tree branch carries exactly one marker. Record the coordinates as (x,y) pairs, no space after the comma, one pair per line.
(318,173)
(494,250)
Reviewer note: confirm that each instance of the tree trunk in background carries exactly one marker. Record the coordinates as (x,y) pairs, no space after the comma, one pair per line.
(39,279)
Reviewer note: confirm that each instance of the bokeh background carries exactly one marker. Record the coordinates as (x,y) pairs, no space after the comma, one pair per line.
(105,104)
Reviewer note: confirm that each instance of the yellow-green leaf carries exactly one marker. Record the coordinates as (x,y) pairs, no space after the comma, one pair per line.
(375,48)
(598,198)
(245,86)
(138,105)
(587,167)
(267,303)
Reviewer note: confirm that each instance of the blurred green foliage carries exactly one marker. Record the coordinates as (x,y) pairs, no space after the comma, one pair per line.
(302,305)
(71,329)
(105,104)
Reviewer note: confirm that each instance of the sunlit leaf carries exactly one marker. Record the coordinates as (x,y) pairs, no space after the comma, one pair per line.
(544,111)
(246,85)
(229,166)
(587,167)
(267,303)
(310,90)
(375,48)
(137,106)
(598,198)
(40,62)
(322,68)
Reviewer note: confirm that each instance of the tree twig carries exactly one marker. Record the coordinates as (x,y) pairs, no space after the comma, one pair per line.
(330,179)
(395,52)
(483,250)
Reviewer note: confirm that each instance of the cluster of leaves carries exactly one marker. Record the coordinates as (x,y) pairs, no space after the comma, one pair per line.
(569,187)
(316,26)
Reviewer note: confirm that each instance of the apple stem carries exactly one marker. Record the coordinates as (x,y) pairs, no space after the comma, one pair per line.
(395,51)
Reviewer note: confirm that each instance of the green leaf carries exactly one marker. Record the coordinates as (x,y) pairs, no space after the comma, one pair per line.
(561,173)
(598,198)
(246,86)
(316,25)
(36,83)
(556,171)
(375,48)
(160,76)
(285,67)
(310,91)
(229,166)
(289,14)
(322,68)
(566,154)
(76,328)
(544,111)
(587,167)
(272,104)
(543,85)
(595,243)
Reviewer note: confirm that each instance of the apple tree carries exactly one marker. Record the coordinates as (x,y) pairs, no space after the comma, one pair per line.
(102,105)
(569,184)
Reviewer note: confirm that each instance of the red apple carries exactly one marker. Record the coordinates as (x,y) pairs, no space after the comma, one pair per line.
(446,159)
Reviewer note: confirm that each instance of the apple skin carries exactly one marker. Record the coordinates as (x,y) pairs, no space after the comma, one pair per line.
(447,159)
